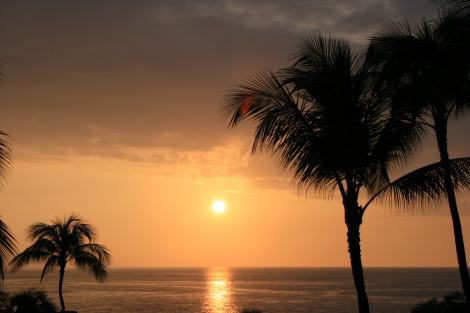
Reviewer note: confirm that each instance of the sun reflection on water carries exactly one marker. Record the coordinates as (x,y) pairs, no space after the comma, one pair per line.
(219,293)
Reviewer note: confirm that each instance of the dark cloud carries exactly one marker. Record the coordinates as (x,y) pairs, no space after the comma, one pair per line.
(97,77)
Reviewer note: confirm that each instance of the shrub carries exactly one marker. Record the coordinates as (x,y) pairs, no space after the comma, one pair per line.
(452,303)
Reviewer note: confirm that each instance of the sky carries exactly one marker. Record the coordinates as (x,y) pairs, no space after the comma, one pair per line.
(112,112)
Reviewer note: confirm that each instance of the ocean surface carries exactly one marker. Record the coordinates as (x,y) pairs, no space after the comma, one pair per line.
(228,290)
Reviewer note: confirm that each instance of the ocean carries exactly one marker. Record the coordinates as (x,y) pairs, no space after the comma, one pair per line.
(228,290)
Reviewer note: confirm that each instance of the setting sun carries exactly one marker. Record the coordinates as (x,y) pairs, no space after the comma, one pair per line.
(218,206)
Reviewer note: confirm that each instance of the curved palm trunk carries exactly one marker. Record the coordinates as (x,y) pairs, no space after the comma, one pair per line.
(441,136)
(353,219)
(61,280)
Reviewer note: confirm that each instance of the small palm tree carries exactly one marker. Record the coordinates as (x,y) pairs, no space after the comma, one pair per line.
(70,240)
(328,121)
(27,301)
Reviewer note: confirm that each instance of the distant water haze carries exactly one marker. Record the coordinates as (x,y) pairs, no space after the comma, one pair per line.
(227,290)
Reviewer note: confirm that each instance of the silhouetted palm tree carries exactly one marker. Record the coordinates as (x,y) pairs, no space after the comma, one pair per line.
(328,122)
(70,240)
(7,240)
(27,301)
(428,66)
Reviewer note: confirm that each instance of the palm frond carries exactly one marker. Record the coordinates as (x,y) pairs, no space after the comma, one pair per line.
(6,159)
(424,188)
(51,263)
(283,126)
(42,230)
(394,143)
(100,251)
(7,247)
(89,262)
(320,54)
(84,230)
(40,251)
(462,6)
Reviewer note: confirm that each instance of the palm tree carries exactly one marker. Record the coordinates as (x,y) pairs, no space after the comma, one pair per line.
(428,66)
(68,240)
(7,240)
(328,121)
(27,301)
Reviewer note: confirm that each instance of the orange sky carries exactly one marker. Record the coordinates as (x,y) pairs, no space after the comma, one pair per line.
(112,111)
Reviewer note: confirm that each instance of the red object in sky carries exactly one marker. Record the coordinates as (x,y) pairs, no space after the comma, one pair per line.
(246,105)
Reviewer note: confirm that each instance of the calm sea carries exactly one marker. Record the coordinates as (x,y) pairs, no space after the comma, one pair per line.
(227,290)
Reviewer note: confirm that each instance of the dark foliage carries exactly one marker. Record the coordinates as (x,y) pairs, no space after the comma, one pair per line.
(7,240)
(424,188)
(452,303)
(32,300)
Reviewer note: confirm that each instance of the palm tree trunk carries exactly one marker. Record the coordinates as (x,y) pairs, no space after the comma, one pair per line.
(353,218)
(61,280)
(441,136)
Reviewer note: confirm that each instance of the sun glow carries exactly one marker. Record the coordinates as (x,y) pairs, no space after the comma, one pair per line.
(218,207)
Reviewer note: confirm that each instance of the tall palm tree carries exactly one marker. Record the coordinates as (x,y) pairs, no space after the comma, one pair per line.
(428,66)
(64,240)
(328,121)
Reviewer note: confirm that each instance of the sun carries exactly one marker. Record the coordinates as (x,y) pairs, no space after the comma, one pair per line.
(218,207)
